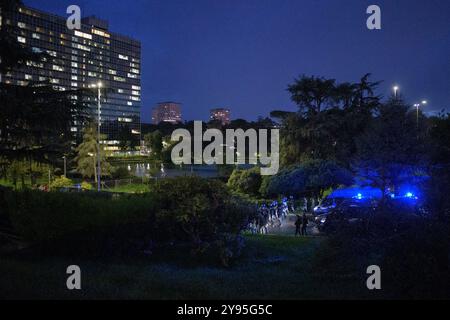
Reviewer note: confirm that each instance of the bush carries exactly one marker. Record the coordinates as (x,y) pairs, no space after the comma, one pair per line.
(183,211)
(313,175)
(412,252)
(42,216)
(86,186)
(246,181)
(61,182)
(120,172)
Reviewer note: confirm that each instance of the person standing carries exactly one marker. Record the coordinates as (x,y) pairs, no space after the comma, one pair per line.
(298,225)
(304,224)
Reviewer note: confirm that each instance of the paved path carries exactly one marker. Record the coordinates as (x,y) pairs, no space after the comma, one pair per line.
(288,227)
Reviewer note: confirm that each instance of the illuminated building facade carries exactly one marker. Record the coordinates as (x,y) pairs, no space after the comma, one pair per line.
(220,114)
(167,112)
(79,58)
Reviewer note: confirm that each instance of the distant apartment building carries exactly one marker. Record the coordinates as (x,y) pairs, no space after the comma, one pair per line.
(221,114)
(79,58)
(169,112)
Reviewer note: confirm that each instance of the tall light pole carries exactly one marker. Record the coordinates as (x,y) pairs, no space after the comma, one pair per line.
(424,102)
(395,88)
(417,105)
(99,106)
(65,166)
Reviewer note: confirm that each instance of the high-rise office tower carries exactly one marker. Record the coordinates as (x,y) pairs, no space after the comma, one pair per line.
(79,58)
(167,112)
(221,114)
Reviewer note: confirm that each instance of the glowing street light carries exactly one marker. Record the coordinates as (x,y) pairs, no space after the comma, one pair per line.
(417,106)
(395,88)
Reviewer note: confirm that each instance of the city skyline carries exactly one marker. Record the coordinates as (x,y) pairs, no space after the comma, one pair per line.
(221,54)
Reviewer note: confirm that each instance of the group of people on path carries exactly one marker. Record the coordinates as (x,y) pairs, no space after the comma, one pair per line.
(272,216)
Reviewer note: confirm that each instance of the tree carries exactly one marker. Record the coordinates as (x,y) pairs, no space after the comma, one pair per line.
(311,177)
(88,153)
(154,141)
(245,181)
(312,94)
(330,115)
(389,150)
(128,141)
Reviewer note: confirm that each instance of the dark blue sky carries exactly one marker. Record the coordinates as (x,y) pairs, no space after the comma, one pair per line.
(243,53)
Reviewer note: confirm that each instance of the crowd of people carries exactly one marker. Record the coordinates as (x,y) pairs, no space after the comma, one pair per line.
(271,215)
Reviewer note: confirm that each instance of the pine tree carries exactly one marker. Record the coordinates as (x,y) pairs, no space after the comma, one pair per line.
(88,152)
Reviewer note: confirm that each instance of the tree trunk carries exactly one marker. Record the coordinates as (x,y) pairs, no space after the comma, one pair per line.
(95,169)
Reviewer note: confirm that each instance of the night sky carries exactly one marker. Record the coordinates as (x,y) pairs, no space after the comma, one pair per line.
(242,54)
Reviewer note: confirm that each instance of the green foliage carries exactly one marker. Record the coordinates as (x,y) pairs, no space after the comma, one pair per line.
(411,250)
(132,188)
(25,173)
(390,148)
(245,181)
(225,170)
(127,140)
(61,182)
(154,141)
(202,207)
(309,177)
(41,216)
(327,192)
(86,185)
(88,152)
(264,188)
(195,212)
(120,172)
(330,116)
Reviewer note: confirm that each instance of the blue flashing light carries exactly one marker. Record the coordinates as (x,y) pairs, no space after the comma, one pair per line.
(359,196)
(409,195)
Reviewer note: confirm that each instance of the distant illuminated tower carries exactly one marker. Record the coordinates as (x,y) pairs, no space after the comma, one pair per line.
(221,114)
(167,112)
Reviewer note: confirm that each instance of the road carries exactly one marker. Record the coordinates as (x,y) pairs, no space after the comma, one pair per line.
(288,227)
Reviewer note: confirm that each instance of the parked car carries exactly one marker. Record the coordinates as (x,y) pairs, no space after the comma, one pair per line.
(350,212)
(327,204)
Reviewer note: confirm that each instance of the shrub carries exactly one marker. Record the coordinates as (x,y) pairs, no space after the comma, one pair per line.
(245,181)
(188,211)
(86,186)
(120,172)
(61,182)
(40,216)
(313,175)
(411,250)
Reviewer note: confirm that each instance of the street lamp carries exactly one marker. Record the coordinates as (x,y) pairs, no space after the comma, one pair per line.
(417,105)
(395,88)
(99,95)
(65,166)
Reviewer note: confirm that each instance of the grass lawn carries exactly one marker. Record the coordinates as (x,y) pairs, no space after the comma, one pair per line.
(131,188)
(273,267)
